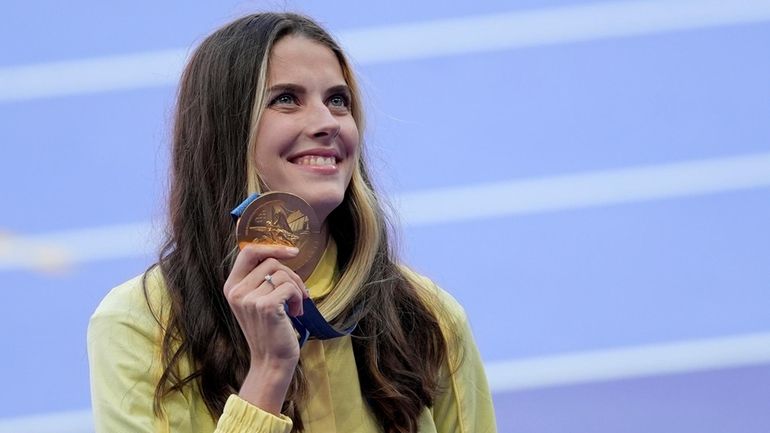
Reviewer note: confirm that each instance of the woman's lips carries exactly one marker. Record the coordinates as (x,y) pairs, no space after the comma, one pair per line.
(316,164)
(316,161)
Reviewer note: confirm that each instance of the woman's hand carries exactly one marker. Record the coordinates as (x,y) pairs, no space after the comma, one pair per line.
(258,305)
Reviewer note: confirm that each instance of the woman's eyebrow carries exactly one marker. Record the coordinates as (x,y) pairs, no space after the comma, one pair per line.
(295,88)
(342,88)
(286,87)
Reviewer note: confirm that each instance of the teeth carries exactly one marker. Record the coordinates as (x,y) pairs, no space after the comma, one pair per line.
(317,160)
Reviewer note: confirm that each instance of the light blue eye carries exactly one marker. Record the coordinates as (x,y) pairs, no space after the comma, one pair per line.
(284,99)
(338,101)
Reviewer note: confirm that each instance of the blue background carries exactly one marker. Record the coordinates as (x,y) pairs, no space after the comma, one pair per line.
(537,284)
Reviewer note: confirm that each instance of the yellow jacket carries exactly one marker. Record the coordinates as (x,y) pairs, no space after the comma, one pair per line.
(124,355)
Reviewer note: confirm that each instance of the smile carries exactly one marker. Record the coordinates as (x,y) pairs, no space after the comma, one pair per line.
(317,161)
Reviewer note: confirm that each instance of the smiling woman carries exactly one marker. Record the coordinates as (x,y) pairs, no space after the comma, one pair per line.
(203,341)
(308,138)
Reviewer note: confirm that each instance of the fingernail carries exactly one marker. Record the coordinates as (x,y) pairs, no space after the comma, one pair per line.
(293,250)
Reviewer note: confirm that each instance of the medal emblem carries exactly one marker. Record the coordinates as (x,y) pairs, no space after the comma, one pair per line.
(280,218)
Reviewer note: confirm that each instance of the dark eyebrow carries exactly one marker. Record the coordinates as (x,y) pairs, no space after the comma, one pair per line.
(342,88)
(293,88)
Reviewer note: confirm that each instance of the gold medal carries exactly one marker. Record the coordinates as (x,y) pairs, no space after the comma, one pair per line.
(280,218)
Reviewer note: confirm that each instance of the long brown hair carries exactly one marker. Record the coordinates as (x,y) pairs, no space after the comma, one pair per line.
(398,344)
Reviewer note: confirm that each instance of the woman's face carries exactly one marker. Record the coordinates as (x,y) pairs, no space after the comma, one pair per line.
(307,140)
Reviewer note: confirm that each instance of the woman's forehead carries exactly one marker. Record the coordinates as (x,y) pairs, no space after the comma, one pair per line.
(298,56)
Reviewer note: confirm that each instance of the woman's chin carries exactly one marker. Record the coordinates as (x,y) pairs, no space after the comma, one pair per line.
(323,206)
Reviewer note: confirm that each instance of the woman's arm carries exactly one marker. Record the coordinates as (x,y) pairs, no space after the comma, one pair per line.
(465,403)
(124,360)
(124,357)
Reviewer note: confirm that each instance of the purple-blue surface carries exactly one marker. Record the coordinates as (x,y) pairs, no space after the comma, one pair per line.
(718,401)
(645,272)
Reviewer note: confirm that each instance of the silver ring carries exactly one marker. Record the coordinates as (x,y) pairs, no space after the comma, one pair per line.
(269,279)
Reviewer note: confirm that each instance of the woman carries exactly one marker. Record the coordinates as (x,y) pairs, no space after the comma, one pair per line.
(202,342)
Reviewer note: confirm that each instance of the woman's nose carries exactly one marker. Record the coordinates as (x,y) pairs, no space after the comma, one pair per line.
(322,122)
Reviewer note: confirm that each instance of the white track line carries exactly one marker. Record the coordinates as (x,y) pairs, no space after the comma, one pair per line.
(538,27)
(59,250)
(447,37)
(629,362)
(581,190)
(536,373)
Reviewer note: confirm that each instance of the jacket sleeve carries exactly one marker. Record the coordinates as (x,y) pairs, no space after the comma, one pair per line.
(465,403)
(124,358)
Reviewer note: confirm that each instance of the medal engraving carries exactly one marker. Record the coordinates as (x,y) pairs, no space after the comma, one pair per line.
(279,218)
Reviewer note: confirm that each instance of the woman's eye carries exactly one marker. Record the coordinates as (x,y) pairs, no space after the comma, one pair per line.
(339,101)
(284,99)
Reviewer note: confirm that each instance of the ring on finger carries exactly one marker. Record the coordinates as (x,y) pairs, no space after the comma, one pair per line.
(269,279)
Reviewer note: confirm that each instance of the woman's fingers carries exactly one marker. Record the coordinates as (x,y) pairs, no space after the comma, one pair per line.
(264,279)
(294,299)
(263,320)
(253,255)
(272,305)
(270,267)
(282,279)
(270,264)
(286,293)
(260,291)
(265,275)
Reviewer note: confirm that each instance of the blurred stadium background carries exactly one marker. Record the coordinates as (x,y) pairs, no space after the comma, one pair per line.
(590,179)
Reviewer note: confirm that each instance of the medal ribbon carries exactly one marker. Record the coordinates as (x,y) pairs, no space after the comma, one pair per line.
(312,323)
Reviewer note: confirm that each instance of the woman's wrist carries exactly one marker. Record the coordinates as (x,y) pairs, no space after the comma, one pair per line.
(266,384)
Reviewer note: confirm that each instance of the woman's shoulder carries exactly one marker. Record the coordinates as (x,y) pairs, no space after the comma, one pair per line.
(451,316)
(139,301)
(442,303)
